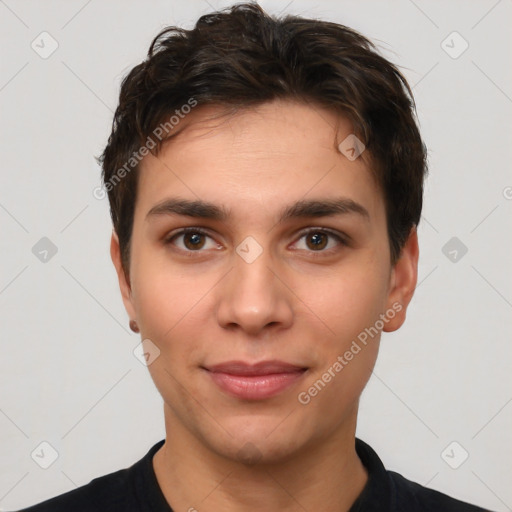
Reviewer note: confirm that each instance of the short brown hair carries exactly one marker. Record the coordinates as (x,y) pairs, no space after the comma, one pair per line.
(240,57)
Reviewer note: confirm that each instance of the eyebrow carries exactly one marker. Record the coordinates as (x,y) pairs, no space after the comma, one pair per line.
(301,209)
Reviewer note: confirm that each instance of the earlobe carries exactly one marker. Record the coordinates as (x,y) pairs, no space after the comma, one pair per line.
(403,279)
(124,285)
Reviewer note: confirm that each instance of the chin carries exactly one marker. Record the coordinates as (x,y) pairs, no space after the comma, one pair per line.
(261,443)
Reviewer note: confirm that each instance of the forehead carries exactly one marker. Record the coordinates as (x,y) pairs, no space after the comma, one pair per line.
(268,124)
(258,157)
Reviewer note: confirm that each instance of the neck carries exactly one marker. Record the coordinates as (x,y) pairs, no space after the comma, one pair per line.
(327,475)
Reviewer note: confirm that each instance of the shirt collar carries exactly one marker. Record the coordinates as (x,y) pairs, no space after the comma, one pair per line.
(377,494)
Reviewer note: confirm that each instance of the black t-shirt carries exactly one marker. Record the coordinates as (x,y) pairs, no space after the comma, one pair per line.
(136,489)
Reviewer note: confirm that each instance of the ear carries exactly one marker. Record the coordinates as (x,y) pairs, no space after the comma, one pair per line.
(124,284)
(402,282)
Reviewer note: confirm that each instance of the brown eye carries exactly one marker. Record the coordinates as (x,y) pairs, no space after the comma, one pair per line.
(316,240)
(193,240)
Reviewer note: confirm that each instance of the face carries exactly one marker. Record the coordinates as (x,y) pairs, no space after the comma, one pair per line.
(259,284)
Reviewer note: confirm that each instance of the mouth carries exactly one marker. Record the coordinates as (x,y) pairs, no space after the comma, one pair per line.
(255,381)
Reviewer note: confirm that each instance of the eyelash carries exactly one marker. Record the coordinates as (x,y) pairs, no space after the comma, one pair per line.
(339,238)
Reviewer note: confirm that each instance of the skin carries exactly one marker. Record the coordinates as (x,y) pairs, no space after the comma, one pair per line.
(295,303)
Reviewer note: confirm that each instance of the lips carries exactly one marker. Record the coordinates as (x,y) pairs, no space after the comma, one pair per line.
(263,368)
(255,381)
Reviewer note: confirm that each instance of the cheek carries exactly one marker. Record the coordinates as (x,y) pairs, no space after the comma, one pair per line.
(348,300)
(164,293)
(170,309)
(348,305)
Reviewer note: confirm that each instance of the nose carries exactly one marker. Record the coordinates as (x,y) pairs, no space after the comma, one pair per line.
(254,296)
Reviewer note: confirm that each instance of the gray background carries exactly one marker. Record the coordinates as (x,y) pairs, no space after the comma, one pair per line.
(68,375)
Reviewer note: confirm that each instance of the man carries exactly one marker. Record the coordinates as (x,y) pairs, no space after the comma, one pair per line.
(265,178)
